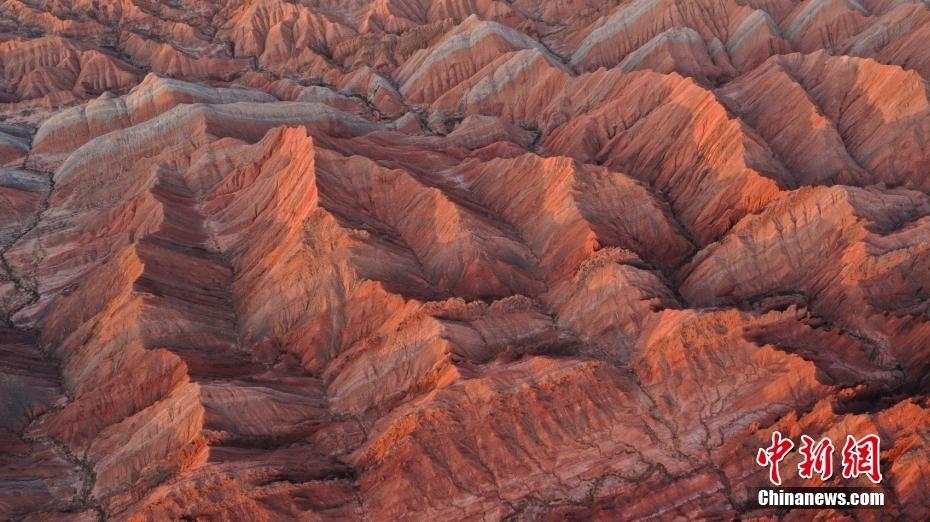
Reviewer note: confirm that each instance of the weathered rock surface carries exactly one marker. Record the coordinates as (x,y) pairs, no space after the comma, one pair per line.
(458,260)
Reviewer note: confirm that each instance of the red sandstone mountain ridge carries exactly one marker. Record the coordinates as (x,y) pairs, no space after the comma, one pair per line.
(458,260)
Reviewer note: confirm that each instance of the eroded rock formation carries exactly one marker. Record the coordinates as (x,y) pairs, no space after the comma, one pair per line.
(458,260)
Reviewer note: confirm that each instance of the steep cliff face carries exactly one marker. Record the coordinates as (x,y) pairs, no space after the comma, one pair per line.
(457,260)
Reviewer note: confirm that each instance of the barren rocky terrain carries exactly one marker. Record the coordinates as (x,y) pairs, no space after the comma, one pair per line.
(458,259)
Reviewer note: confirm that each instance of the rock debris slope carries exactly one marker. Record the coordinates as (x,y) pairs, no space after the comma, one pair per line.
(457,260)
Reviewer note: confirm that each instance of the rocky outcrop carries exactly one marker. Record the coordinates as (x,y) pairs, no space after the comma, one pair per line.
(461,52)
(70,129)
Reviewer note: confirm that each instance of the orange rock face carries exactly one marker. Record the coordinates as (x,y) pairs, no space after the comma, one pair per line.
(458,260)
